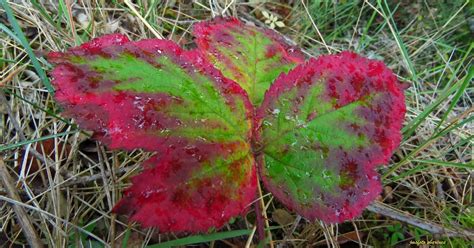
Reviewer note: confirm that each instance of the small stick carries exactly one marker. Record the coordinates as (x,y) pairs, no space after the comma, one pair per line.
(9,77)
(262,212)
(25,222)
(73,180)
(134,10)
(386,210)
(249,240)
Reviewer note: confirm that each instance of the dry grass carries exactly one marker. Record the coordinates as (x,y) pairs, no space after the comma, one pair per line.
(68,184)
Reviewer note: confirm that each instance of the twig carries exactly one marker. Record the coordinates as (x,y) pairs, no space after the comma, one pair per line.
(21,135)
(386,210)
(25,222)
(316,27)
(130,5)
(249,240)
(86,179)
(53,216)
(4,101)
(291,231)
(9,77)
(262,218)
(73,180)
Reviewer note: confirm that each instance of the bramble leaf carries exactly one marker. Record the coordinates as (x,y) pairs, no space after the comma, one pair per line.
(148,94)
(251,56)
(153,95)
(215,184)
(323,129)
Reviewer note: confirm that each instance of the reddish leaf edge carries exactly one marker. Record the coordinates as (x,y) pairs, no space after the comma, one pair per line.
(205,28)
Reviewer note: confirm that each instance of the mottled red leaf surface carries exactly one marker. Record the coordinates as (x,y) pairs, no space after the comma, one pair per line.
(153,95)
(251,56)
(213,186)
(323,129)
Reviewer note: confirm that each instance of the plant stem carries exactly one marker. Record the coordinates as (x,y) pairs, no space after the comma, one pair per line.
(23,218)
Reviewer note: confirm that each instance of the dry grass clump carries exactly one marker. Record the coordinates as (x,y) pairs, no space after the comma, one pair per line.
(65,184)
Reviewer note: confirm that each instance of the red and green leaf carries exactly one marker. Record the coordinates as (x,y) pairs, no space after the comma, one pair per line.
(213,186)
(323,129)
(153,95)
(251,56)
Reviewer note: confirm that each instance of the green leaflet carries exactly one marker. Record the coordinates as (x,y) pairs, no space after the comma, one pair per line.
(323,128)
(196,96)
(296,148)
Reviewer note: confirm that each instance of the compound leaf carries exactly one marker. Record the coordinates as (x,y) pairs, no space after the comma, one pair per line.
(323,129)
(153,95)
(251,56)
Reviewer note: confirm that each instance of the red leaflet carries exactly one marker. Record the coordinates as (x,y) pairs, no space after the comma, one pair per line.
(153,95)
(191,189)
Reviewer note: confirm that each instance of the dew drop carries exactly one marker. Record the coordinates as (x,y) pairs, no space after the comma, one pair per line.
(325,174)
(276,111)
(267,123)
(305,196)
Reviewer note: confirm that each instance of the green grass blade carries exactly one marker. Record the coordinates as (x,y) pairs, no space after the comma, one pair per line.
(422,146)
(202,238)
(126,238)
(457,96)
(413,125)
(9,32)
(448,90)
(26,142)
(468,165)
(36,106)
(24,42)
(393,28)
(425,165)
(44,13)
